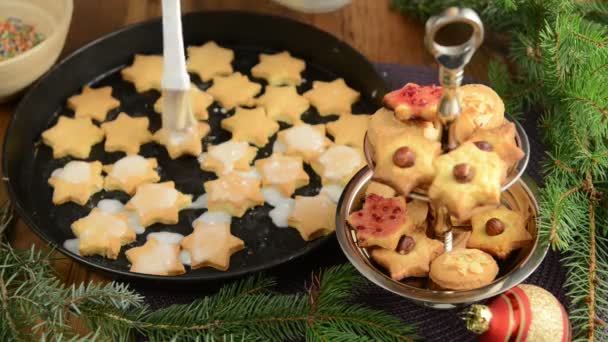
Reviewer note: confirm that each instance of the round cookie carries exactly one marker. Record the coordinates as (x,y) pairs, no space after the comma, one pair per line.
(463,269)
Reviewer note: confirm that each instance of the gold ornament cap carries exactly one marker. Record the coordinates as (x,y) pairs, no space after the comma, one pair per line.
(477,318)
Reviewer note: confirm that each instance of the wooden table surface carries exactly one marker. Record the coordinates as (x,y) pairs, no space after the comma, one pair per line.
(368,25)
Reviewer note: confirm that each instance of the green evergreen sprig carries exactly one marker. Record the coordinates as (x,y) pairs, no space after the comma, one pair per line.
(558,58)
(35,304)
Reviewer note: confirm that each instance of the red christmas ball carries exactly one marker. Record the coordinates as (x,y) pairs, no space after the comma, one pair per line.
(526,313)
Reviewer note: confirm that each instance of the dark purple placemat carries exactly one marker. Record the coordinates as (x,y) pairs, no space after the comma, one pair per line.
(433,325)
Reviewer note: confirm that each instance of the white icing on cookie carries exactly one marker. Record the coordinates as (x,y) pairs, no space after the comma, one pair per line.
(158,197)
(339,161)
(129,166)
(304,138)
(215,232)
(74,172)
(162,257)
(228,153)
(166,237)
(251,174)
(199,203)
(72,245)
(185,257)
(177,138)
(333,191)
(283,206)
(282,171)
(278,147)
(213,217)
(113,206)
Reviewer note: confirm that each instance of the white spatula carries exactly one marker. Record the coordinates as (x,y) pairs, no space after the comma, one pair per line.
(177,112)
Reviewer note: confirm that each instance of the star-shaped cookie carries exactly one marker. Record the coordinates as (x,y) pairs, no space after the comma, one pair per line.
(156,257)
(405,161)
(189,142)
(211,245)
(93,103)
(413,259)
(349,129)
(227,157)
(145,73)
(466,178)
(234,194)
(129,172)
(383,123)
(234,90)
(304,140)
(279,69)
(72,137)
(338,164)
(126,134)
(500,140)
(77,181)
(101,233)
(332,98)
(209,60)
(251,125)
(286,173)
(498,232)
(380,190)
(199,101)
(313,217)
(158,203)
(481,107)
(283,104)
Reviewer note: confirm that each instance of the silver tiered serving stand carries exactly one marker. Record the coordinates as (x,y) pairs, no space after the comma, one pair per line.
(451,60)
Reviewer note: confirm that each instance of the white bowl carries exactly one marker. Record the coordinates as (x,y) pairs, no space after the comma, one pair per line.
(49,17)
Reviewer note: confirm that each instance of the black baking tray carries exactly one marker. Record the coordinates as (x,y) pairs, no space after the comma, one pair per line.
(28,163)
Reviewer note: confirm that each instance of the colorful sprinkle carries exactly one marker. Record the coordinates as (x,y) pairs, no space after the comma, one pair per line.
(17,37)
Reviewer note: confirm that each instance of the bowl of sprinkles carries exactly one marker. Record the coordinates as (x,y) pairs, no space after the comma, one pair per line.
(32,35)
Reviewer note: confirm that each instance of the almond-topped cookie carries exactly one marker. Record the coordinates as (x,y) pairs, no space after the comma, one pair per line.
(414,102)
(227,157)
(498,232)
(158,203)
(500,140)
(481,108)
(285,173)
(279,69)
(466,178)
(411,258)
(234,194)
(332,98)
(338,164)
(72,137)
(129,172)
(102,233)
(209,60)
(405,161)
(145,73)
(381,222)
(463,269)
(304,140)
(77,181)
(211,245)
(94,103)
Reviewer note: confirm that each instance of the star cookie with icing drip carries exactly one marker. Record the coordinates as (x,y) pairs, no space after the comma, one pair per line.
(251,125)
(102,233)
(145,73)
(498,232)
(283,104)
(313,217)
(466,178)
(156,257)
(405,161)
(211,245)
(338,164)
(227,157)
(332,98)
(234,194)
(158,203)
(130,172)
(234,90)
(77,181)
(209,60)
(279,69)
(286,173)
(500,140)
(72,137)
(93,103)
(349,129)
(189,142)
(304,140)
(199,102)
(126,134)
(411,258)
